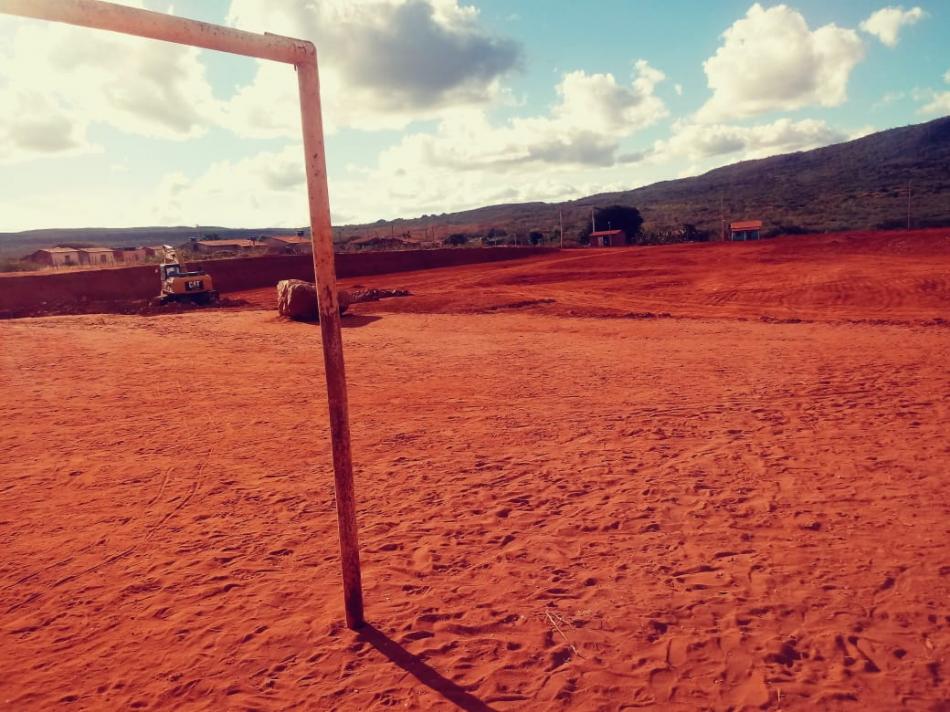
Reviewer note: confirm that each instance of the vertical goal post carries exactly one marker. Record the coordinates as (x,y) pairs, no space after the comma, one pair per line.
(302,54)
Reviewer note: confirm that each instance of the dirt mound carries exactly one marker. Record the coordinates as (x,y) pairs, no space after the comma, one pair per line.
(138,307)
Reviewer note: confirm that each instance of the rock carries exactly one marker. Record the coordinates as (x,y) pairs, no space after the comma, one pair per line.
(297,300)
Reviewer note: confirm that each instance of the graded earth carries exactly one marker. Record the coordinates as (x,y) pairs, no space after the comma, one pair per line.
(688,477)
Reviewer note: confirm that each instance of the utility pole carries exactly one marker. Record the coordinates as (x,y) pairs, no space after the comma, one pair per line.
(908,205)
(722,220)
(593,223)
(560,217)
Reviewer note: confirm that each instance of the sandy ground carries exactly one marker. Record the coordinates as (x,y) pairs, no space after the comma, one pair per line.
(555,512)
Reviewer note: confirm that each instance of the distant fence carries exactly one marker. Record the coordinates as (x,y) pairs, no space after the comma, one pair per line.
(23,293)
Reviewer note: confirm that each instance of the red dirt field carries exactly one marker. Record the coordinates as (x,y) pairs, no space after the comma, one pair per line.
(890,276)
(704,512)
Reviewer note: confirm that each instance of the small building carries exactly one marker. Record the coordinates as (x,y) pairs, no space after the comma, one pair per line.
(56,257)
(288,244)
(96,256)
(745,230)
(130,254)
(154,250)
(210,246)
(608,238)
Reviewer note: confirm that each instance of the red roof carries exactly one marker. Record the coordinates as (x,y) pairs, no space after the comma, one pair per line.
(601,233)
(746,225)
(290,239)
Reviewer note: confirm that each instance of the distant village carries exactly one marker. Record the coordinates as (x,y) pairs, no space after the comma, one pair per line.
(208,246)
(212,246)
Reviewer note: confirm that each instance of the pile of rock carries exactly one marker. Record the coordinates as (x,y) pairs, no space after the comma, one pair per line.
(297,299)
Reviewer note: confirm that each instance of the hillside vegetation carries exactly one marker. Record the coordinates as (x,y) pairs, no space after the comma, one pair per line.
(857,185)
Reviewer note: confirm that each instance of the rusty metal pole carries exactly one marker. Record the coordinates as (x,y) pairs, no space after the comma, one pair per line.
(302,54)
(328,308)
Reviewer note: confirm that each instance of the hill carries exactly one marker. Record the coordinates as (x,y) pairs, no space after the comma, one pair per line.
(18,244)
(857,185)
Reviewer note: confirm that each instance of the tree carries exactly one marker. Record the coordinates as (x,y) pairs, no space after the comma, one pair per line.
(692,234)
(536,237)
(616,217)
(458,238)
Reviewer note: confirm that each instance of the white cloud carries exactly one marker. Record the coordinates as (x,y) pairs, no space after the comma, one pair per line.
(468,160)
(771,61)
(62,79)
(265,188)
(32,125)
(938,102)
(886,23)
(383,63)
(697,141)
(584,128)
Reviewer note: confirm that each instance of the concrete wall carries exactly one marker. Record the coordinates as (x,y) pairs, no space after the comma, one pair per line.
(23,293)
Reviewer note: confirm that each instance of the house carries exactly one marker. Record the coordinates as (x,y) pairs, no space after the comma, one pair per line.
(55,256)
(96,256)
(154,250)
(745,230)
(290,244)
(130,254)
(375,242)
(210,246)
(608,238)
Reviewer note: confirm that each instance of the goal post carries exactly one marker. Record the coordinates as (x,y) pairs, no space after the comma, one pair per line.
(302,55)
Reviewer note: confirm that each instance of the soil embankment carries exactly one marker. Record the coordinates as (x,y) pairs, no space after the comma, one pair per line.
(126,289)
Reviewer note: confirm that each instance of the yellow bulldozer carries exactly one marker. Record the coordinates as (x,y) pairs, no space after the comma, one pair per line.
(180,285)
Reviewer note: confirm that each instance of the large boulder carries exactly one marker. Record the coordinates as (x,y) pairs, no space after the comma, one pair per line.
(297,300)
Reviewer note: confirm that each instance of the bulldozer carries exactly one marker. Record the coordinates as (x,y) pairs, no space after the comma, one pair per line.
(179,285)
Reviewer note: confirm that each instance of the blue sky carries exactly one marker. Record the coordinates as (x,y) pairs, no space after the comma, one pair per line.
(432,106)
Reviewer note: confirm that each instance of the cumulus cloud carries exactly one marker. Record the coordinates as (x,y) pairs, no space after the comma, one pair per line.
(584,128)
(697,141)
(383,63)
(62,79)
(32,125)
(573,149)
(265,188)
(417,193)
(938,102)
(770,60)
(886,23)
